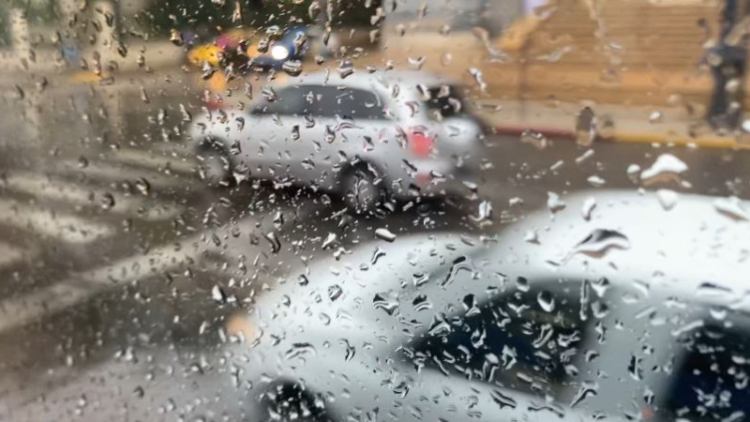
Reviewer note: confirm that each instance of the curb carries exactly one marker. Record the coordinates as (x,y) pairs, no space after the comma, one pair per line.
(719,142)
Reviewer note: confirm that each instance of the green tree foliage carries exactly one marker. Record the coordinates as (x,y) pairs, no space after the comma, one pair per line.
(214,16)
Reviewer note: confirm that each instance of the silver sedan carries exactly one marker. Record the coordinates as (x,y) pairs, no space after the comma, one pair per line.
(372,138)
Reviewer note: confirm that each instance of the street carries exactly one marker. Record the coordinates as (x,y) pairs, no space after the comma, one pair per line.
(113,248)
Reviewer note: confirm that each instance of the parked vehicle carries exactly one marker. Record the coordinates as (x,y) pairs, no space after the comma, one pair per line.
(248,50)
(369,137)
(564,317)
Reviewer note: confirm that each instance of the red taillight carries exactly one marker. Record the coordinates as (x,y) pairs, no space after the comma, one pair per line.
(420,144)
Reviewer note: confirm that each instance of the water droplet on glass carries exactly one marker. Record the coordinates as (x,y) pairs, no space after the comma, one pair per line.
(667,198)
(218,295)
(274,241)
(376,255)
(502,400)
(334,292)
(386,304)
(554,203)
(385,234)
(300,351)
(588,207)
(534,138)
(599,242)
(477,75)
(329,240)
(143,186)
(292,67)
(176,37)
(667,167)
(732,208)
(345,69)
(546,301)
(107,201)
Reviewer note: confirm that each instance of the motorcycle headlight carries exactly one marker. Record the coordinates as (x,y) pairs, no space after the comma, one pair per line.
(279,52)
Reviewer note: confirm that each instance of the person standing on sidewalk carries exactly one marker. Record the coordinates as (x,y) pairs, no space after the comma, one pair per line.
(727,61)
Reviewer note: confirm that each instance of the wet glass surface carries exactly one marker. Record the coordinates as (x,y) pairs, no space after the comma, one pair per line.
(374,210)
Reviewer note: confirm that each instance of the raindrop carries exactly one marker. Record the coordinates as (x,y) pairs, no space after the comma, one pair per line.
(295,132)
(300,351)
(302,280)
(144,96)
(599,242)
(732,208)
(350,350)
(666,167)
(186,116)
(376,255)
(459,264)
(587,389)
(329,240)
(554,203)
(176,37)
(269,94)
(534,138)
(522,284)
(667,198)
(143,186)
(107,201)
(218,295)
(634,368)
(388,305)
(385,234)
(421,303)
(334,292)
(502,400)
(588,207)
(477,75)
(313,10)
(345,69)
(546,301)
(655,117)
(274,241)
(484,212)
(292,67)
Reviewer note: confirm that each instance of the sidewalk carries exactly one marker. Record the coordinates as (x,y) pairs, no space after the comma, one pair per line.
(615,123)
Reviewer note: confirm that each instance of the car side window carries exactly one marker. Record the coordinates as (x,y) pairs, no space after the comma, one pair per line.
(287,102)
(347,103)
(511,340)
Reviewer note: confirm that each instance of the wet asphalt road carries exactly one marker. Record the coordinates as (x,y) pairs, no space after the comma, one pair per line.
(110,245)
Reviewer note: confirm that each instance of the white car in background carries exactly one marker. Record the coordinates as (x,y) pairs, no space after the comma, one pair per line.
(627,312)
(369,137)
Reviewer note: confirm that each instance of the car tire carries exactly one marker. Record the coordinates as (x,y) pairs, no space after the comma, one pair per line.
(215,165)
(360,192)
(291,402)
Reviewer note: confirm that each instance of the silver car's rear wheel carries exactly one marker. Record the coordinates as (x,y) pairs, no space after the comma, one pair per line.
(290,402)
(361,193)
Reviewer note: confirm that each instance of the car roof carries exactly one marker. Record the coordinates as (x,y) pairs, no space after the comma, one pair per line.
(379,80)
(681,249)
